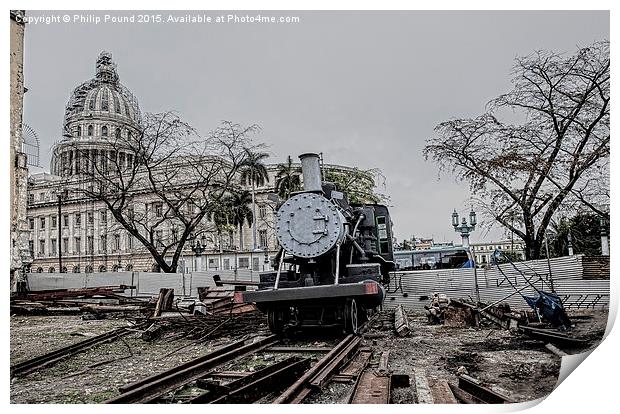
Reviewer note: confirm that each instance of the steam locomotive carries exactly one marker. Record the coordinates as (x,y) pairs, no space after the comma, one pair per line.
(334,259)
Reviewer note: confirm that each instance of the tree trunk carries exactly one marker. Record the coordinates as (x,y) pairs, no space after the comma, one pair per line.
(253,216)
(241,236)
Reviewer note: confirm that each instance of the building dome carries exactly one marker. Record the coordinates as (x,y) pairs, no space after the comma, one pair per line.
(99,111)
(102,98)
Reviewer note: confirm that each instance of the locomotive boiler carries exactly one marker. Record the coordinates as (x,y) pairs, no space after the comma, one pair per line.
(333,261)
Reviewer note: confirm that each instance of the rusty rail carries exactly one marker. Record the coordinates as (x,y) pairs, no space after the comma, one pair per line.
(256,385)
(320,372)
(148,392)
(62,353)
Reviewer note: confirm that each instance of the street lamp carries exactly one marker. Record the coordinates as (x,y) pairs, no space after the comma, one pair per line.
(464,228)
(604,237)
(198,248)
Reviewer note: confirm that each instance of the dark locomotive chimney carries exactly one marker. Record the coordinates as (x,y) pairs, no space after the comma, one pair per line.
(311,171)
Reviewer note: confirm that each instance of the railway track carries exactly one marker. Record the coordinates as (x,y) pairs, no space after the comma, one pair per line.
(65,352)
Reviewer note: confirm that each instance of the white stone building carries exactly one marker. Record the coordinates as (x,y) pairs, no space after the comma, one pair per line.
(484,250)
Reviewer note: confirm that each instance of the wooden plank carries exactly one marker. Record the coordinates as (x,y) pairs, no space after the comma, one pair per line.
(422,389)
(401,323)
(442,394)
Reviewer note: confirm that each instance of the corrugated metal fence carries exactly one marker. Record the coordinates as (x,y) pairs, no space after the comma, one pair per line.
(413,289)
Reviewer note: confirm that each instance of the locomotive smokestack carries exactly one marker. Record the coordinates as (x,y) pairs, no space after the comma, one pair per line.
(311,170)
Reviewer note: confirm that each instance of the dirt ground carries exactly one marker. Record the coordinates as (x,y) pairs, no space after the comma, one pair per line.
(513,364)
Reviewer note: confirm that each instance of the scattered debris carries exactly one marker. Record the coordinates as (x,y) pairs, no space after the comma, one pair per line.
(435,311)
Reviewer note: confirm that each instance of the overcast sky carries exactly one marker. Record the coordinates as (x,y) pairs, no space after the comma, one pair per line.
(364,88)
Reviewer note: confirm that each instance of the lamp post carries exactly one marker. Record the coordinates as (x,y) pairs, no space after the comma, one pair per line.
(198,248)
(604,237)
(463,227)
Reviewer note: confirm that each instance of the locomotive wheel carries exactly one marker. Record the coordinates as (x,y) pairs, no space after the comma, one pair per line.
(276,321)
(351,317)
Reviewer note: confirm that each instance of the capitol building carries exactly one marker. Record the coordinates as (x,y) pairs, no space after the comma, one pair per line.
(72,233)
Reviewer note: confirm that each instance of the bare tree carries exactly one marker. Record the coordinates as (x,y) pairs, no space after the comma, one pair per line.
(161,184)
(537,166)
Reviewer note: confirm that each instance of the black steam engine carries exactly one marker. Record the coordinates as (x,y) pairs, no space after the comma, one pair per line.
(333,261)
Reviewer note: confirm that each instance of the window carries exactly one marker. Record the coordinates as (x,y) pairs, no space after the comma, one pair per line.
(130,214)
(91,104)
(262,211)
(51,270)
(76,269)
(30,198)
(158,238)
(79,131)
(102,269)
(41,247)
(77,245)
(174,235)
(104,131)
(52,247)
(78,219)
(104,216)
(262,238)
(117,106)
(65,220)
(158,207)
(103,244)
(104,101)
(117,133)
(117,242)
(226,264)
(42,221)
(244,263)
(31,247)
(53,222)
(90,130)
(88,269)
(90,218)
(41,196)
(31,223)
(65,246)
(255,264)
(129,242)
(90,245)
(212,264)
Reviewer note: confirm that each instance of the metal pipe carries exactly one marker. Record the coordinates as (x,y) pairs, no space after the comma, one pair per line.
(311,172)
(275,286)
(337,264)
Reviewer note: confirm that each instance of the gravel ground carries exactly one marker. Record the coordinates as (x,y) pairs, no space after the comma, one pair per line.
(514,364)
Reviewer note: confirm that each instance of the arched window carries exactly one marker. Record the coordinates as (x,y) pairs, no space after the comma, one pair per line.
(117,105)
(129,267)
(91,104)
(117,133)
(115,268)
(104,131)
(39,270)
(79,131)
(76,269)
(64,269)
(90,130)
(155,268)
(50,270)
(89,269)
(102,269)
(128,134)
(104,101)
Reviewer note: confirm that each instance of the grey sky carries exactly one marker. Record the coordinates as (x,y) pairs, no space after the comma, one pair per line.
(364,88)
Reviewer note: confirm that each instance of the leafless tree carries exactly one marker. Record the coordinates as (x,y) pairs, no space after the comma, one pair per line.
(162,184)
(537,166)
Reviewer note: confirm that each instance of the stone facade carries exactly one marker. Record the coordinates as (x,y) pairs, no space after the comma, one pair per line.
(18,167)
(484,250)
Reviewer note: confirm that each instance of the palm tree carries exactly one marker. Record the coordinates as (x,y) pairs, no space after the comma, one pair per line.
(240,211)
(288,179)
(253,170)
(221,216)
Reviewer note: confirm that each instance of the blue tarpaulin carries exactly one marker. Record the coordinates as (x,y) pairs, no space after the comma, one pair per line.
(550,308)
